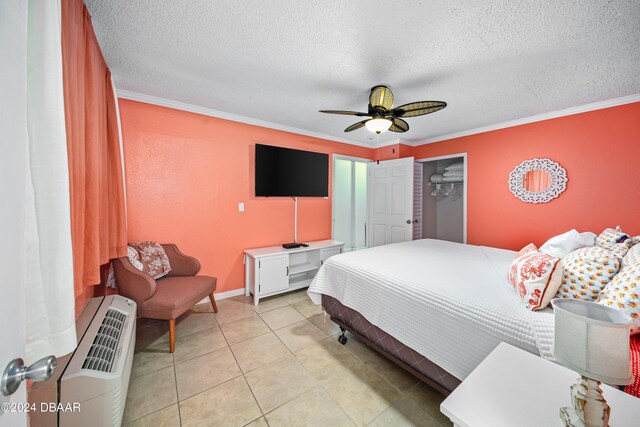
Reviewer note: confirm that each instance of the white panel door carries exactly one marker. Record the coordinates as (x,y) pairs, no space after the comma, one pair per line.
(390,193)
(274,274)
(13,172)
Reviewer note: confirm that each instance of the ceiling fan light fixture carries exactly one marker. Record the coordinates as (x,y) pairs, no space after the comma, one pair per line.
(383,116)
(378,125)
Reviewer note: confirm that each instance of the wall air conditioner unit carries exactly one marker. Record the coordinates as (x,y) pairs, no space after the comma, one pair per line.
(97,376)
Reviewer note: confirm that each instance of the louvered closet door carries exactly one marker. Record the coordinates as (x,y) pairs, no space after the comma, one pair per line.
(390,194)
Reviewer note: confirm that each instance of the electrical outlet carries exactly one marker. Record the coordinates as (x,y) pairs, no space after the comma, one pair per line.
(240,207)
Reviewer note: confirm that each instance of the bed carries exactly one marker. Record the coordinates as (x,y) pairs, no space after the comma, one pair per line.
(436,308)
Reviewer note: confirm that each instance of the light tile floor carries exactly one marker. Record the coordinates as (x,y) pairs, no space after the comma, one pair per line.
(277,364)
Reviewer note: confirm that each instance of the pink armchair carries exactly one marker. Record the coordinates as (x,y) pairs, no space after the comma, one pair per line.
(170,296)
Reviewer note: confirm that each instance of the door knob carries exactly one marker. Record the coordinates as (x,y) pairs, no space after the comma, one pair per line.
(16,372)
(408,221)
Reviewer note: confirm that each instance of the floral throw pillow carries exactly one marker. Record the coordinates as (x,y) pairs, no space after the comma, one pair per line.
(632,241)
(586,272)
(618,249)
(134,257)
(623,293)
(535,277)
(632,256)
(612,235)
(153,258)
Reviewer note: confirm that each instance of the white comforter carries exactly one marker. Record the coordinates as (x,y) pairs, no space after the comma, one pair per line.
(448,301)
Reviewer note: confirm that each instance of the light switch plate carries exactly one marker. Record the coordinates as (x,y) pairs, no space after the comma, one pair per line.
(240,207)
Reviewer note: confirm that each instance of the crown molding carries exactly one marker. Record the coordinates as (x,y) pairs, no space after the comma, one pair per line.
(163,102)
(532,119)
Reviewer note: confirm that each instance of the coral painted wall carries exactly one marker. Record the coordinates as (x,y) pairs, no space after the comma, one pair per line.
(600,151)
(186,174)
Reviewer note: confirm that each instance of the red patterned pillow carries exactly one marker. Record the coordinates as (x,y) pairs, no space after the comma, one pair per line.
(535,277)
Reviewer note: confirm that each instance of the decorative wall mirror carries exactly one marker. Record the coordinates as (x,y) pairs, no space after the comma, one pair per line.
(537,180)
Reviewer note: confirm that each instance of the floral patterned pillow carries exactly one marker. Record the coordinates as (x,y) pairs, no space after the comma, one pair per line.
(134,257)
(535,277)
(632,256)
(155,261)
(612,235)
(623,293)
(586,271)
(618,249)
(632,241)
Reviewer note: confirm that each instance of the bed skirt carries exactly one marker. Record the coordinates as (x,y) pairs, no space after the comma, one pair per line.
(403,356)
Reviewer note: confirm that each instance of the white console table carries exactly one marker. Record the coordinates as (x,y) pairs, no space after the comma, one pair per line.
(275,270)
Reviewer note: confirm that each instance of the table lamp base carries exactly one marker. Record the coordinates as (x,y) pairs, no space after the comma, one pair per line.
(590,409)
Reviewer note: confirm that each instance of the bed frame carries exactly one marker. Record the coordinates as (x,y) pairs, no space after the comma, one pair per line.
(383,343)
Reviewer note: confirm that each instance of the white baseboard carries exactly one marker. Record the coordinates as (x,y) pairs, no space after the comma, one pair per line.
(224,295)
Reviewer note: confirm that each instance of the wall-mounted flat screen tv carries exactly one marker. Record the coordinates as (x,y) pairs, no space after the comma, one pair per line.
(287,172)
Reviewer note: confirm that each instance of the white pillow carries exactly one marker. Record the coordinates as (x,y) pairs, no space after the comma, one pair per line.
(562,245)
(588,239)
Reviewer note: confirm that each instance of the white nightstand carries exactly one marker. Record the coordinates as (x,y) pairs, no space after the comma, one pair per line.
(512,387)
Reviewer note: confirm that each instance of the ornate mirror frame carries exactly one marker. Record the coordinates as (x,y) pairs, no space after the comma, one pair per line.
(558,180)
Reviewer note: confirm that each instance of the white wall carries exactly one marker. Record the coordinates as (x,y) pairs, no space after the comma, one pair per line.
(349,203)
(342,197)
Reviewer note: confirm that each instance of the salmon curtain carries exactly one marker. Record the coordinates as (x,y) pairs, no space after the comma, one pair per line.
(98,225)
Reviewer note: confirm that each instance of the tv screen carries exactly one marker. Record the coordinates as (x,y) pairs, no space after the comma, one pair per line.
(287,172)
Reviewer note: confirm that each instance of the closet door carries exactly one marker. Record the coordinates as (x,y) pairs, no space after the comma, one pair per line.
(390,194)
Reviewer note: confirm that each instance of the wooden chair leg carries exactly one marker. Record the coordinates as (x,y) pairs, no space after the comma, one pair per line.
(213,302)
(172,335)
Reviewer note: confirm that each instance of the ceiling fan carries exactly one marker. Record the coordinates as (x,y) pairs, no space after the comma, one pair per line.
(383,116)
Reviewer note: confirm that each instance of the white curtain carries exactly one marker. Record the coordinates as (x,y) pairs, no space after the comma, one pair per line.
(50,304)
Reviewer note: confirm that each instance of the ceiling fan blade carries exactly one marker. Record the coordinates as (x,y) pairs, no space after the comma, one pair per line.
(419,108)
(399,126)
(346,113)
(356,126)
(381,96)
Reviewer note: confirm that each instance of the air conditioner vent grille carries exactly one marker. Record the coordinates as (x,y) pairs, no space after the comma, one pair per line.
(103,349)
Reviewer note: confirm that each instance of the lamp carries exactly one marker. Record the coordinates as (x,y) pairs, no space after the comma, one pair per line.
(593,340)
(378,125)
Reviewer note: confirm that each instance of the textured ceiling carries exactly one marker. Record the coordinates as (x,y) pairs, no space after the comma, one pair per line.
(281,61)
